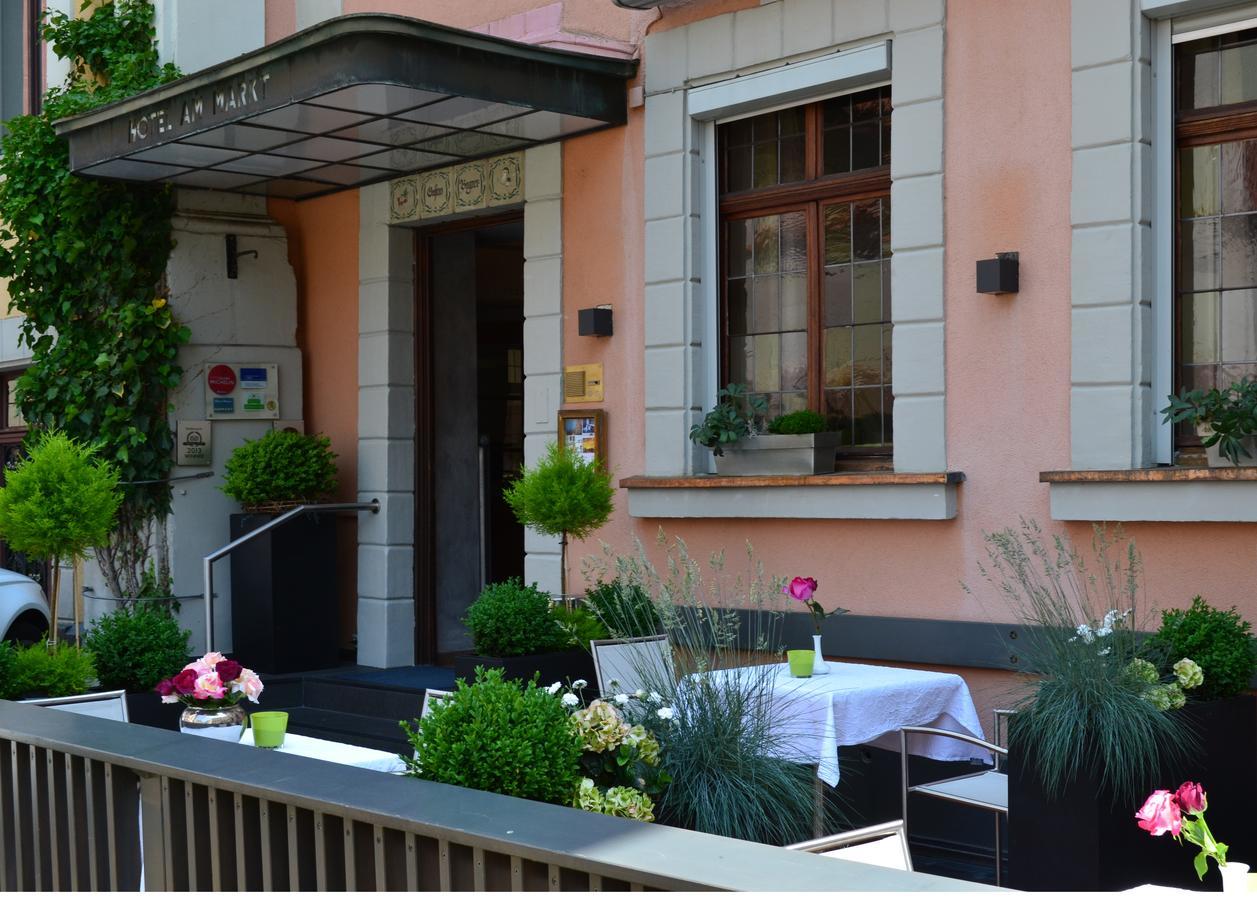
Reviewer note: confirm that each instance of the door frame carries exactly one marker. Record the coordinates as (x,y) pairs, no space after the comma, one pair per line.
(426,646)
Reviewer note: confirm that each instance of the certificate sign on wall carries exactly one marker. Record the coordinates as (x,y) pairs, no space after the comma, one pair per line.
(242,391)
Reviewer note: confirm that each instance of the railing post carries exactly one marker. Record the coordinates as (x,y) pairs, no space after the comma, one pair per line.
(153,836)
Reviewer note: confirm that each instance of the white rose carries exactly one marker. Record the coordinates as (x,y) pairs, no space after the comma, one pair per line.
(621,699)
(664,712)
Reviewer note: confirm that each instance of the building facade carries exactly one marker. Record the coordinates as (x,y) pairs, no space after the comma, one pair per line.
(794,197)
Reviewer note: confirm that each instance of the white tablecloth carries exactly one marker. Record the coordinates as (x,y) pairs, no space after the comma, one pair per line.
(859,704)
(332,751)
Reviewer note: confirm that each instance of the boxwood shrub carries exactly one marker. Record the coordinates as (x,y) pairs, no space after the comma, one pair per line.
(510,618)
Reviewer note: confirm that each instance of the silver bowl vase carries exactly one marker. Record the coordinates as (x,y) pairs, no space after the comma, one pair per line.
(224,723)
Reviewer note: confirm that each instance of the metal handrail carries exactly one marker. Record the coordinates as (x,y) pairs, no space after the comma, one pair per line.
(208,561)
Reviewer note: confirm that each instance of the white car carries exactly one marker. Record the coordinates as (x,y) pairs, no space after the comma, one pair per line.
(23,609)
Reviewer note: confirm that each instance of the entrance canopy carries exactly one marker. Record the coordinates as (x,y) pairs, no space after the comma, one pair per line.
(351,101)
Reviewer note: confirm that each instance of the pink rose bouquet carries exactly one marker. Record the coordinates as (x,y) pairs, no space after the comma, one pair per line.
(804,590)
(1182,814)
(211,681)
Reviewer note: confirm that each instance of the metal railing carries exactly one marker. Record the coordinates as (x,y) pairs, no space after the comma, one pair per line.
(372,506)
(90,804)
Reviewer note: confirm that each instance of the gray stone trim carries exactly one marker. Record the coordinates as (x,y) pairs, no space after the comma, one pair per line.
(680,308)
(386,434)
(882,501)
(1169,501)
(543,333)
(1112,360)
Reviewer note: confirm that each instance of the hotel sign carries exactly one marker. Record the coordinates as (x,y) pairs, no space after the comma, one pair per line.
(461,188)
(194,107)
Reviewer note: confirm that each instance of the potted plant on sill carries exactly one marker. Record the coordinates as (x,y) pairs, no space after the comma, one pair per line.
(135,647)
(562,496)
(519,629)
(283,582)
(1226,421)
(796,443)
(1109,716)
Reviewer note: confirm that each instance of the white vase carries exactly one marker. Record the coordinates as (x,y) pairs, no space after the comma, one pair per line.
(1234,877)
(819,666)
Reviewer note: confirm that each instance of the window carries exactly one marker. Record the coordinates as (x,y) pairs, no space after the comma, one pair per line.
(805,263)
(1216,277)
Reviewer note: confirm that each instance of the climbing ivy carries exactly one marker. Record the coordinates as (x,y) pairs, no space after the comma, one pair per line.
(86,261)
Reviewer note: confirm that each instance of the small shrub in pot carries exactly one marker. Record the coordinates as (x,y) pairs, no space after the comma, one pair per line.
(500,736)
(137,646)
(60,671)
(801,421)
(513,619)
(281,468)
(1217,640)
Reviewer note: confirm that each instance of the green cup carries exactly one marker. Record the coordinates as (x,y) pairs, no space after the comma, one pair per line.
(801,662)
(269,728)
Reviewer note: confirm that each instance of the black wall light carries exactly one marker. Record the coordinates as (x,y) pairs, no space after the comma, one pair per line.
(594,322)
(999,275)
(234,254)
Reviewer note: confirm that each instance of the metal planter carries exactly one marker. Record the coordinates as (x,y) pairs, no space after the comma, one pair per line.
(780,454)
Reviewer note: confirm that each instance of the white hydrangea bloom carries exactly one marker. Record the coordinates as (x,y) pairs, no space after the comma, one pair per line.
(664,712)
(569,700)
(579,683)
(621,699)
(554,688)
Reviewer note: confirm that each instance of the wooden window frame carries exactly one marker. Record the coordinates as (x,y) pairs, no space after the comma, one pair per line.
(810,196)
(1221,124)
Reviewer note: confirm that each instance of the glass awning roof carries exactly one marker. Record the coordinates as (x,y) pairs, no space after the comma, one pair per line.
(354,100)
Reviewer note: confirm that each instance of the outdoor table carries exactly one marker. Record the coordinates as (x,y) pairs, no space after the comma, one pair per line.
(861,704)
(333,751)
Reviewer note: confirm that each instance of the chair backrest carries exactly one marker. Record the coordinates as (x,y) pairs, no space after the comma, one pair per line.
(104,705)
(429,695)
(632,663)
(883,845)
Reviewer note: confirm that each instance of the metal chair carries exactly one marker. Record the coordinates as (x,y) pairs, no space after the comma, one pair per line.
(103,705)
(877,845)
(429,695)
(631,663)
(987,789)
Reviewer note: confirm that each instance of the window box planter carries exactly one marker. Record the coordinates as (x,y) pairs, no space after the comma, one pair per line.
(780,454)
(563,665)
(1214,454)
(284,612)
(1082,841)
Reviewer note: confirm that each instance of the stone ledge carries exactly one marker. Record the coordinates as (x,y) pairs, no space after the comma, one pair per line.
(1170,494)
(857,495)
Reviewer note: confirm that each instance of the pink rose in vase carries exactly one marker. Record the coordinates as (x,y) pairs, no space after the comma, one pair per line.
(1159,814)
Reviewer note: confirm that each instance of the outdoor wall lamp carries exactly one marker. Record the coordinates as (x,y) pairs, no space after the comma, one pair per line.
(233,256)
(594,322)
(999,275)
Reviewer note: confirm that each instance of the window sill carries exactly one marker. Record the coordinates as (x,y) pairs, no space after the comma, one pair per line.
(1164,494)
(855,495)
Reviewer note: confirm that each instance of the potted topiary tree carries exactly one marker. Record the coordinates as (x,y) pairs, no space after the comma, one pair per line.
(796,443)
(283,583)
(135,647)
(519,629)
(56,504)
(563,496)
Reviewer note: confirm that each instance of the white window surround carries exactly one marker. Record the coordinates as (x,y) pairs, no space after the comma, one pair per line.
(781,54)
(1122,210)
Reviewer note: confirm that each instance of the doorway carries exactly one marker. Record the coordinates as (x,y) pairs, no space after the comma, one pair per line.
(470,422)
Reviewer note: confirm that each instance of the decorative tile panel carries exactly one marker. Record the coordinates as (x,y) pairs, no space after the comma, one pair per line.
(466,187)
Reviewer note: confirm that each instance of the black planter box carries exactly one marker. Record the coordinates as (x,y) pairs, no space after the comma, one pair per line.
(284,614)
(564,665)
(1082,841)
(146,708)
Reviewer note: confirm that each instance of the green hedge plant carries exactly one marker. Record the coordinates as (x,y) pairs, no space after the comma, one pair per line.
(137,646)
(63,672)
(281,467)
(499,736)
(1220,641)
(802,421)
(510,618)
